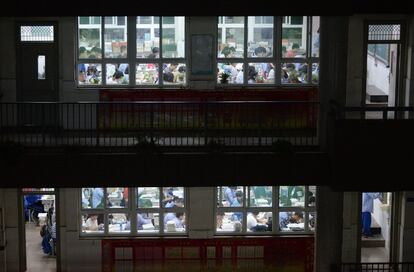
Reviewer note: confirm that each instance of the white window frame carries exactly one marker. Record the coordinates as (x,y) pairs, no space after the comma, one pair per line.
(131,59)
(279,22)
(275,209)
(132,209)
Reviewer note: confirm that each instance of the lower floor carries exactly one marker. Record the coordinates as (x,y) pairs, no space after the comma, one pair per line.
(132,230)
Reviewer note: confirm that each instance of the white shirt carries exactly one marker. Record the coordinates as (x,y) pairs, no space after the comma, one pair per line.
(251,221)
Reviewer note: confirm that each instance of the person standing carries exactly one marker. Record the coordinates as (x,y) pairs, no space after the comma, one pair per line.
(367,209)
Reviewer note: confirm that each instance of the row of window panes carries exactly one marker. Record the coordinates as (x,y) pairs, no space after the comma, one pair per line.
(175,73)
(108,210)
(232,73)
(261,37)
(116,37)
(145,74)
(255,205)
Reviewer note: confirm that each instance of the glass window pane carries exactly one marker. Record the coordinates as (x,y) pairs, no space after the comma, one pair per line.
(312,221)
(90,74)
(174,222)
(296,20)
(168,20)
(260,38)
(230,37)
(92,198)
(173,197)
(315,36)
(234,20)
(93,223)
(173,37)
(229,73)
(148,41)
(230,196)
(148,222)
(115,37)
(84,20)
(291,221)
(117,74)
(148,197)
(292,196)
(294,39)
(259,221)
(41,67)
(312,196)
(89,40)
(229,221)
(294,73)
(315,73)
(146,74)
(118,223)
(174,73)
(260,196)
(36,34)
(261,73)
(117,197)
(121,20)
(38,189)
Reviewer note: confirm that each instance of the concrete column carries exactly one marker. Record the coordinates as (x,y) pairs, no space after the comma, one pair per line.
(333,66)
(201,212)
(328,242)
(407,228)
(2,234)
(12,232)
(409,79)
(351,227)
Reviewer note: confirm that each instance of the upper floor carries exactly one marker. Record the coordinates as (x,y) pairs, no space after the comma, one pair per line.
(239,88)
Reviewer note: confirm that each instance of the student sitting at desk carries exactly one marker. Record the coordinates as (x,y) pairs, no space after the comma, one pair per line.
(92,223)
(140,222)
(253,224)
(177,218)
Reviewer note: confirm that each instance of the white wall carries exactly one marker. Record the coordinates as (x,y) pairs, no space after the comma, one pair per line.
(378,74)
(382,215)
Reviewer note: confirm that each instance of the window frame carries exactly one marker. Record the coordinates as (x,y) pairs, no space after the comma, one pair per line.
(132,210)
(132,60)
(277,59)
(275,209)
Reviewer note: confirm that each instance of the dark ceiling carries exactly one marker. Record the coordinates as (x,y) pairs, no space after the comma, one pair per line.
(198,7)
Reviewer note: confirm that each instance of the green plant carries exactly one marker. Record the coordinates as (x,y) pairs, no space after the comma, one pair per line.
(224,78)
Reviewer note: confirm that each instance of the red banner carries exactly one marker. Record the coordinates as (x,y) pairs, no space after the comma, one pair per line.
(293,254)
(293,94)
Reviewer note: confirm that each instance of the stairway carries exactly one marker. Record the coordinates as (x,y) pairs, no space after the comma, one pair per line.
(376,240)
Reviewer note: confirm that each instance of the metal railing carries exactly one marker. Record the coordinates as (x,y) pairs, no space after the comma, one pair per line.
(371,112)
(377,267)
(165,123)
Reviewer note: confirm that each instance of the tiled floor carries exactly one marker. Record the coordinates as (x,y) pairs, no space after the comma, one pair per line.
(37,261)
(374,255)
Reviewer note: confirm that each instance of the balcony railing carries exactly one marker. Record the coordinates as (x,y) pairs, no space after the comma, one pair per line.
(233,124)
(371,112)
(377,267)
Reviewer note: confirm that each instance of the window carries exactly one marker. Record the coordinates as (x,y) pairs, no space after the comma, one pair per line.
(249,51)
(257,209)
(133,211)
(154,55)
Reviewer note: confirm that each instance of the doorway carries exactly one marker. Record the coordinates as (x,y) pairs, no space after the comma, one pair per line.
(382,68)
(39,229)
(37,73)
(377,221)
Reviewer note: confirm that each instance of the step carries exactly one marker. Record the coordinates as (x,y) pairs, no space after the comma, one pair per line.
(374,241)
(375,94)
